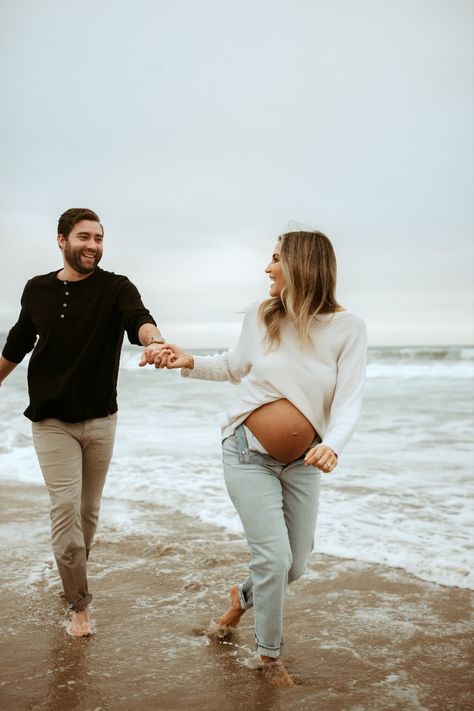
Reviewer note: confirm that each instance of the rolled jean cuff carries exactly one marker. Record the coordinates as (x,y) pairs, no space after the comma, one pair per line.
(81,604)
(265,651)
(243,602)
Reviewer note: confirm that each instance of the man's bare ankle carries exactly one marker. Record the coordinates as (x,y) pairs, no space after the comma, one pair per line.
(81,623)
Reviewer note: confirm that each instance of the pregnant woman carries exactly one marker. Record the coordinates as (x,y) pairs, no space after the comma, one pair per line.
(301,358)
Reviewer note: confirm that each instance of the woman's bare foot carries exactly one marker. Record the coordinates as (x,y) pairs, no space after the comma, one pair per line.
(275,672)
(81,623)
(232,616)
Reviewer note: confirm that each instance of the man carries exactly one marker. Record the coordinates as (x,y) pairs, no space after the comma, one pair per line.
(79,315)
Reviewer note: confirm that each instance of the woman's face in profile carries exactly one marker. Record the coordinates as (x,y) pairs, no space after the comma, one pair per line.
(275,273)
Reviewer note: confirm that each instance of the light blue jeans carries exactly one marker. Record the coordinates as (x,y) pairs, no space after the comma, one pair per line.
(278,505)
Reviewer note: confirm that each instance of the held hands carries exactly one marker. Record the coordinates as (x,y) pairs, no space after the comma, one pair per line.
(150,353)
(166,355)
(322,458)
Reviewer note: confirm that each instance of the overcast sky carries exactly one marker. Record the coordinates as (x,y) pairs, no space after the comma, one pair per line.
(200,130)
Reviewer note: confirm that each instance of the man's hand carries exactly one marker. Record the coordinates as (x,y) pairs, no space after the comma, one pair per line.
(321,457)
(150,354)
(166,355)
(171,356)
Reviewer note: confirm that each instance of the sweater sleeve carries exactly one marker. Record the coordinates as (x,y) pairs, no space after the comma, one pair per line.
(22,337)
(232,365)
(347,399)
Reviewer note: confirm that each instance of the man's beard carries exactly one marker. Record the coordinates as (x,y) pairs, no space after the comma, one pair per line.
(73,258)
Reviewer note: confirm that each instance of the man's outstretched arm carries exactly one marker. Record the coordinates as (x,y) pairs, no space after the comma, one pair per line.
(6,367)
(147,332)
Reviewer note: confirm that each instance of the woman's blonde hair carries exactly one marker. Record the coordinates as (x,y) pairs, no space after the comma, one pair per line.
(308,264)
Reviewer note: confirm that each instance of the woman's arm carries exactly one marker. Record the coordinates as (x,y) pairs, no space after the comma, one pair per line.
(232,365)
(346,403)
(347,399)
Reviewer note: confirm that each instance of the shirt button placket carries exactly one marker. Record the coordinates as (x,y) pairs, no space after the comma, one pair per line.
(67,294)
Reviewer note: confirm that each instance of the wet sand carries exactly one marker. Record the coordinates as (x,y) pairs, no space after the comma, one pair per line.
(358,637)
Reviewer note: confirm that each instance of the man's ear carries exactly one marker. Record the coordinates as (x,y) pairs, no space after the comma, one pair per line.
(61,242)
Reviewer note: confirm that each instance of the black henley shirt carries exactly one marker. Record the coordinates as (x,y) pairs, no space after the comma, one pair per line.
(73,370)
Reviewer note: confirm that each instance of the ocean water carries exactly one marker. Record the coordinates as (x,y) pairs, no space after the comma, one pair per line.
(402,495)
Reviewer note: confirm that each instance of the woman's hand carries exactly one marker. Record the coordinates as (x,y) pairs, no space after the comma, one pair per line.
(171,356)
(322,458)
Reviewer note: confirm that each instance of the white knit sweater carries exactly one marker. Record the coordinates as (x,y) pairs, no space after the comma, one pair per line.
(325,382)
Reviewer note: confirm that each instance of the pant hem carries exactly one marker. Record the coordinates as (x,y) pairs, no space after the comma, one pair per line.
(243,602)
(81,604)
(265,651)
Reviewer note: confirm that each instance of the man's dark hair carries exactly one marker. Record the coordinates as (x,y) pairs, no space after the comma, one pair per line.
(74,215)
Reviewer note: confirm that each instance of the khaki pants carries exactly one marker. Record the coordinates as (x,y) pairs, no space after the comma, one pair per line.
(74,459)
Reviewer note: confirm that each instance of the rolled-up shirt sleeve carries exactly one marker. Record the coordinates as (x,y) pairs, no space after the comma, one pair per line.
(132,312)
(21,338)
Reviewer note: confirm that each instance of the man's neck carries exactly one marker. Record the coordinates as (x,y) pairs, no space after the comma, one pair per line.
(67,273)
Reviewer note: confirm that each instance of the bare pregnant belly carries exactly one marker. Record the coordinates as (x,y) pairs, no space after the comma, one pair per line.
(282,429)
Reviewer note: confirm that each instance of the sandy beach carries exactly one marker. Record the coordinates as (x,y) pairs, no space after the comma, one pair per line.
(359,637)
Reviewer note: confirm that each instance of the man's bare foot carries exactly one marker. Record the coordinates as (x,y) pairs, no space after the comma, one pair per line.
(81,623)
(232,616)
(275,672)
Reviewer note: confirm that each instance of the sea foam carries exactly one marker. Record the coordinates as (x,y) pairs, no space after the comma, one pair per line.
(402,495)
